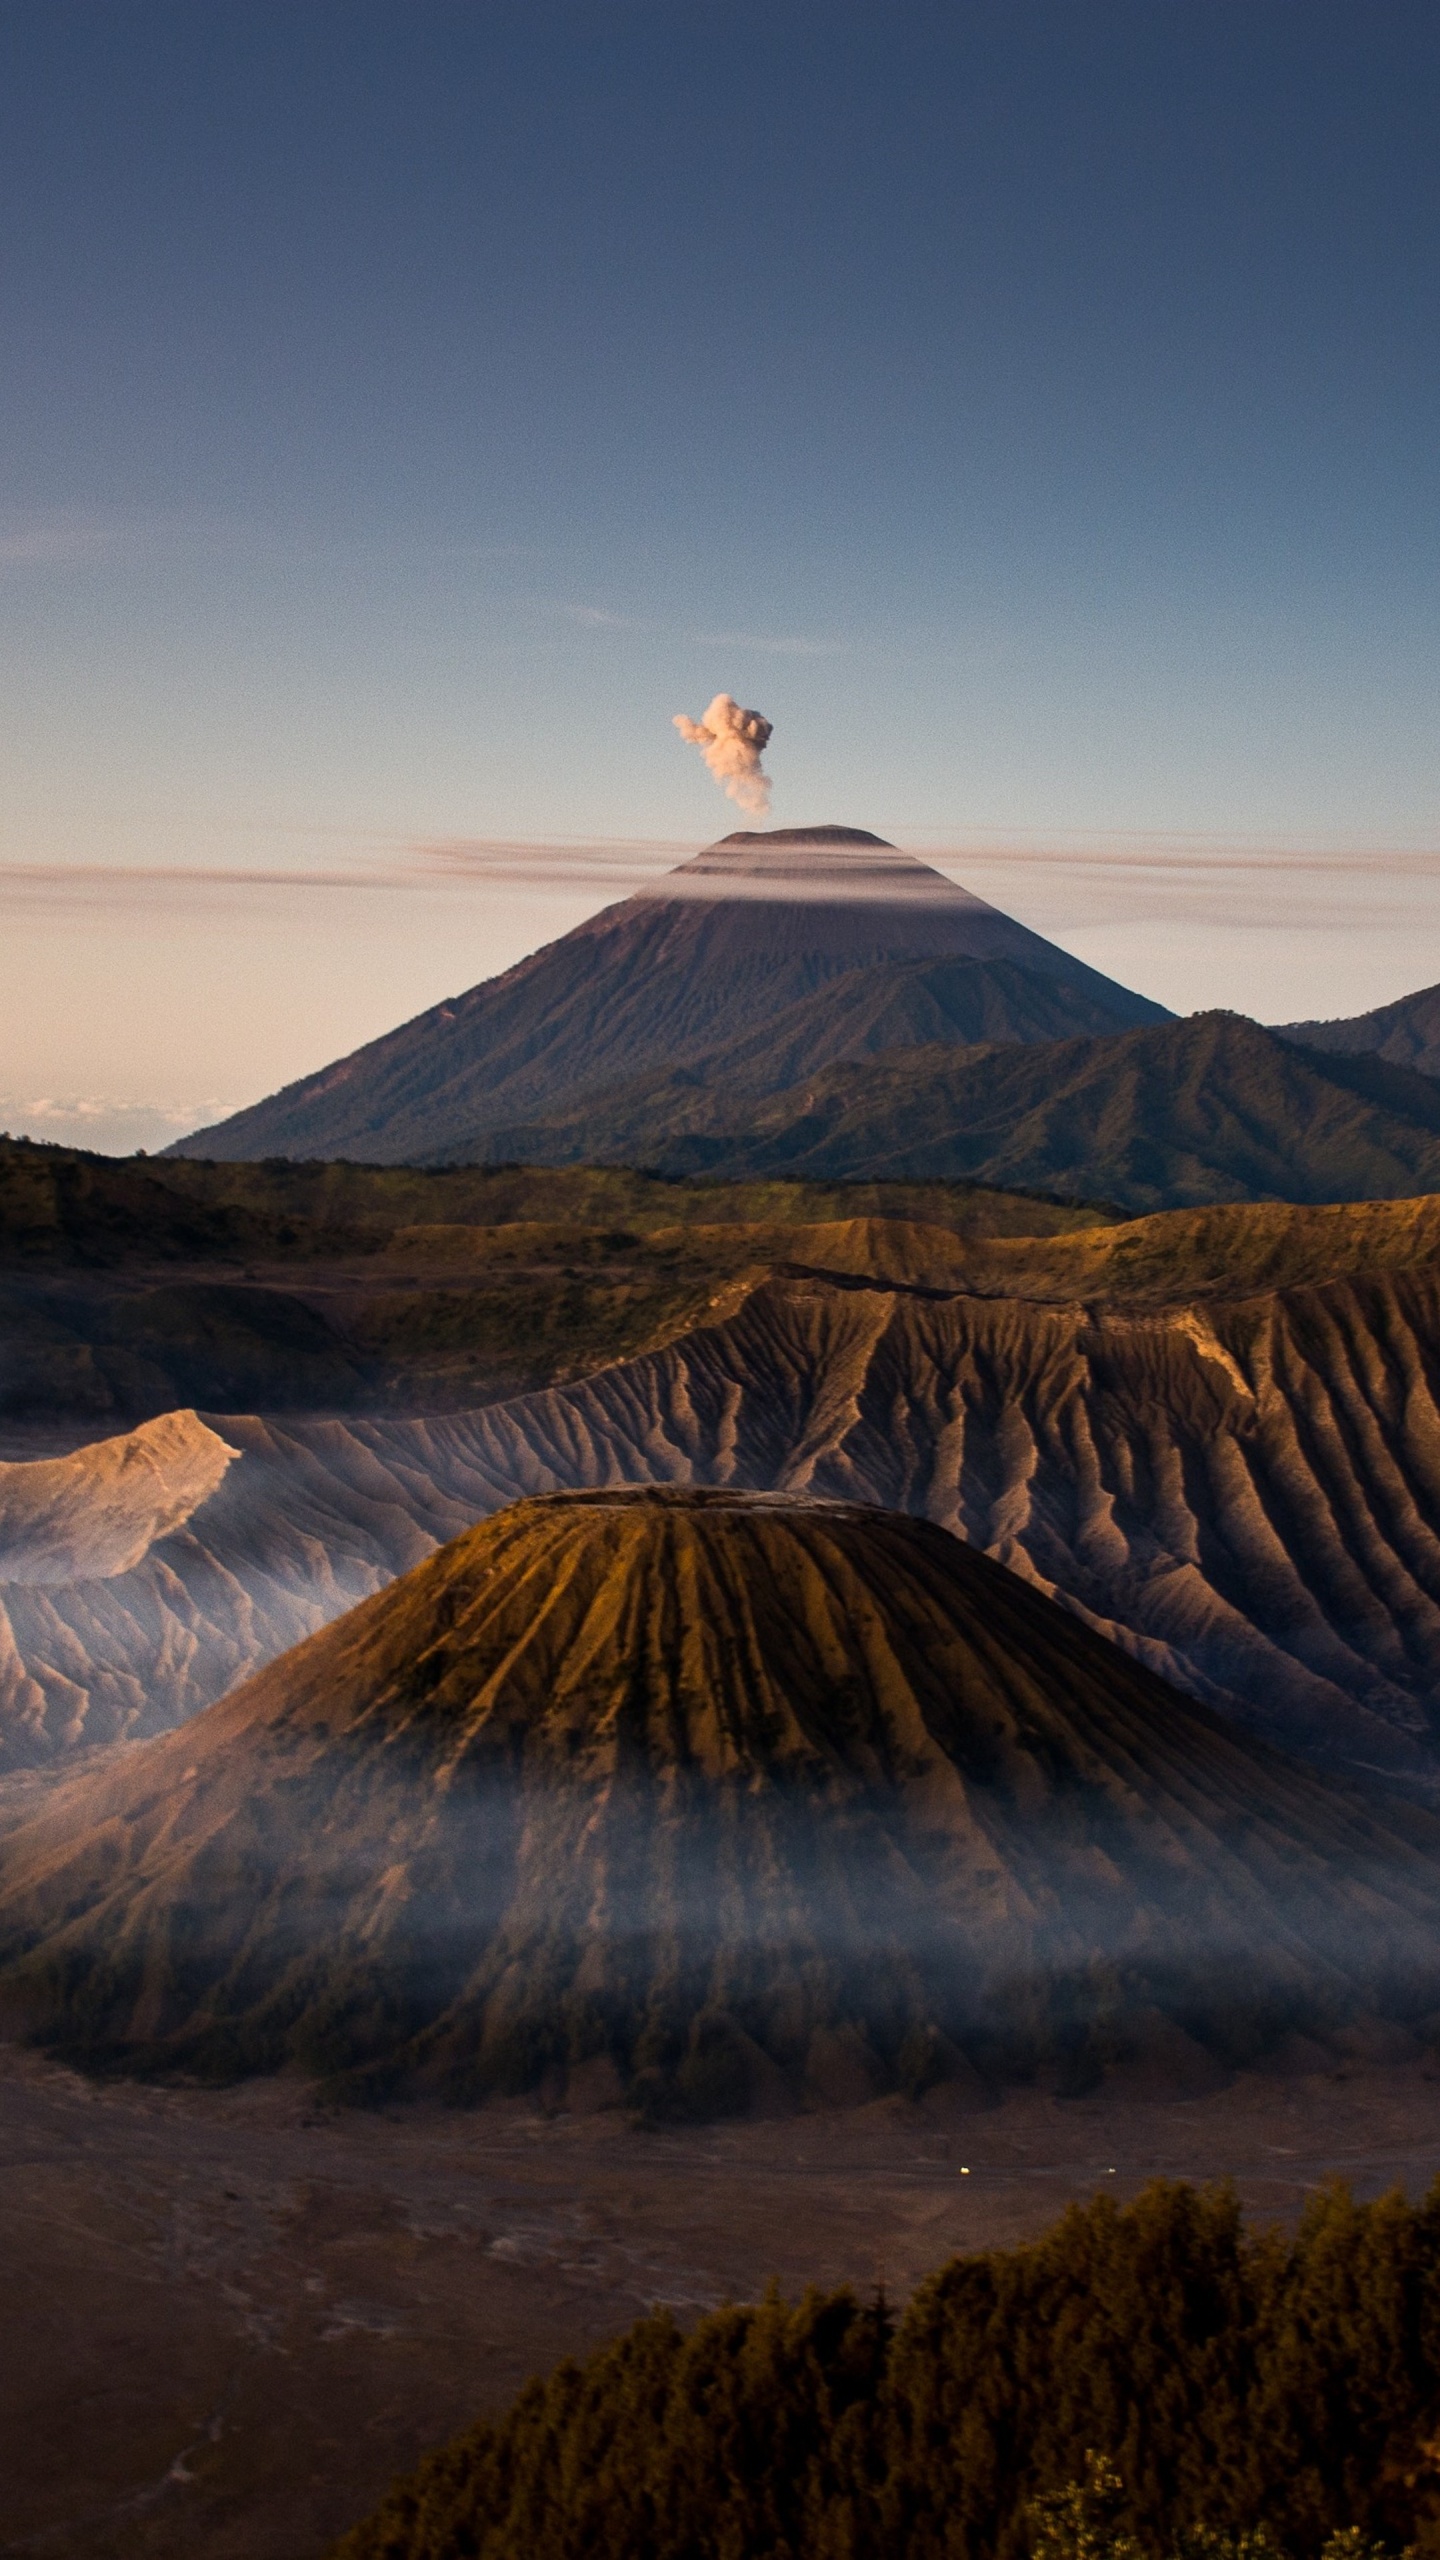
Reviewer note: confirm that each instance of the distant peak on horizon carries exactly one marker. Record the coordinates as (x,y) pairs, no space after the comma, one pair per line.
(803,835)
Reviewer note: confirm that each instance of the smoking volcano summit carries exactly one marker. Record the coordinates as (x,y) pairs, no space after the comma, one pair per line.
(734,937)
(705,1799)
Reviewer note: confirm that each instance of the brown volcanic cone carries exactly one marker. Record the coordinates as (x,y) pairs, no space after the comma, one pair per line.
(711,1791)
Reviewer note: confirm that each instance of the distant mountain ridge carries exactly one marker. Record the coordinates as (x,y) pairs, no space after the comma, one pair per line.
(745,932)
(1405,1033)
(1208,1109)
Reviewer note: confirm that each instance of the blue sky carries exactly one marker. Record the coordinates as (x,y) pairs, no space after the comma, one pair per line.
(406,408)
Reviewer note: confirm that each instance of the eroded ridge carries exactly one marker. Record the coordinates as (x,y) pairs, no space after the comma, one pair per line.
(1244,1493)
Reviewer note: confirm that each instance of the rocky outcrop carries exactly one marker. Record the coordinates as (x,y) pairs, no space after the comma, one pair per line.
(98,1512)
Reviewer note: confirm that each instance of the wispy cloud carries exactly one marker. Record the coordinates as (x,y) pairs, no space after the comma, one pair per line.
(1082,878)
(614,863)
(769,645)
(117,885)
(79,537)
(59,541)
(595,617)
(609,867)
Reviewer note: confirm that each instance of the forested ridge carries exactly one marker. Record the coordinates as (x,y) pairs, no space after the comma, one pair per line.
(1151,2379)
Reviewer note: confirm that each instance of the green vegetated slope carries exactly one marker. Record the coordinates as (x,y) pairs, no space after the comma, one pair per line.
(725,1798)
(1209,1109)
(377,1201)
(1236,2382)
(60,1204)
(1235,1251)
(128,1287)
(64,1210)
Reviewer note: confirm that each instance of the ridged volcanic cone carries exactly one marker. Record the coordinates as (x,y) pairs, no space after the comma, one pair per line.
(730,1790)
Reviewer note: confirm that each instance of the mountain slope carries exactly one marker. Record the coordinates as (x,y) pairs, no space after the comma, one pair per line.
(1214,1434)
(756,924)
(1208,1109)
(1407,1033)
(886,1006)
(719,1790)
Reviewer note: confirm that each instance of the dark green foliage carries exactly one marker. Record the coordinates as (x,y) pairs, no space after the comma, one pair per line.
(59,1205)
(1142,2382)
(1085,2521)
(1211,1109)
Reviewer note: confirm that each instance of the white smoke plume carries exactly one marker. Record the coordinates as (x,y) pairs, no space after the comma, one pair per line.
(732,742)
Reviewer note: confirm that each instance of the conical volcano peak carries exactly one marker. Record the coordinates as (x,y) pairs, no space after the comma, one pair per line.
(803,835)
(709,1787)
(832,864)
(711,952)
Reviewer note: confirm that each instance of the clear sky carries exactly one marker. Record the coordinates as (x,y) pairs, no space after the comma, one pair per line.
(407,405)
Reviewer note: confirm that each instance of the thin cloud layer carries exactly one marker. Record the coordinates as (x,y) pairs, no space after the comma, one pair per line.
(105,1123)
(1207,881)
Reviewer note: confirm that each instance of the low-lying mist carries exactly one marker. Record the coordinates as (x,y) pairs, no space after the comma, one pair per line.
(710,1957)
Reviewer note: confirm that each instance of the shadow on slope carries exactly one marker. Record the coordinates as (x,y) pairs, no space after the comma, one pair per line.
(1209,1109)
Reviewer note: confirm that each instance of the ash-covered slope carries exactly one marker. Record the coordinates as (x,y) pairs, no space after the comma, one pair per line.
(756,924)
(726,1794)
(100,1510)
(1405,1033)
(1212,1108)
(1214,1434)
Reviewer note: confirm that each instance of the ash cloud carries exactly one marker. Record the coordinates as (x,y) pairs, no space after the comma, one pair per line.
(732,741)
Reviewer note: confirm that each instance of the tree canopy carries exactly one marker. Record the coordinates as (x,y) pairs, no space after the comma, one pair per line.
(1143,2381)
